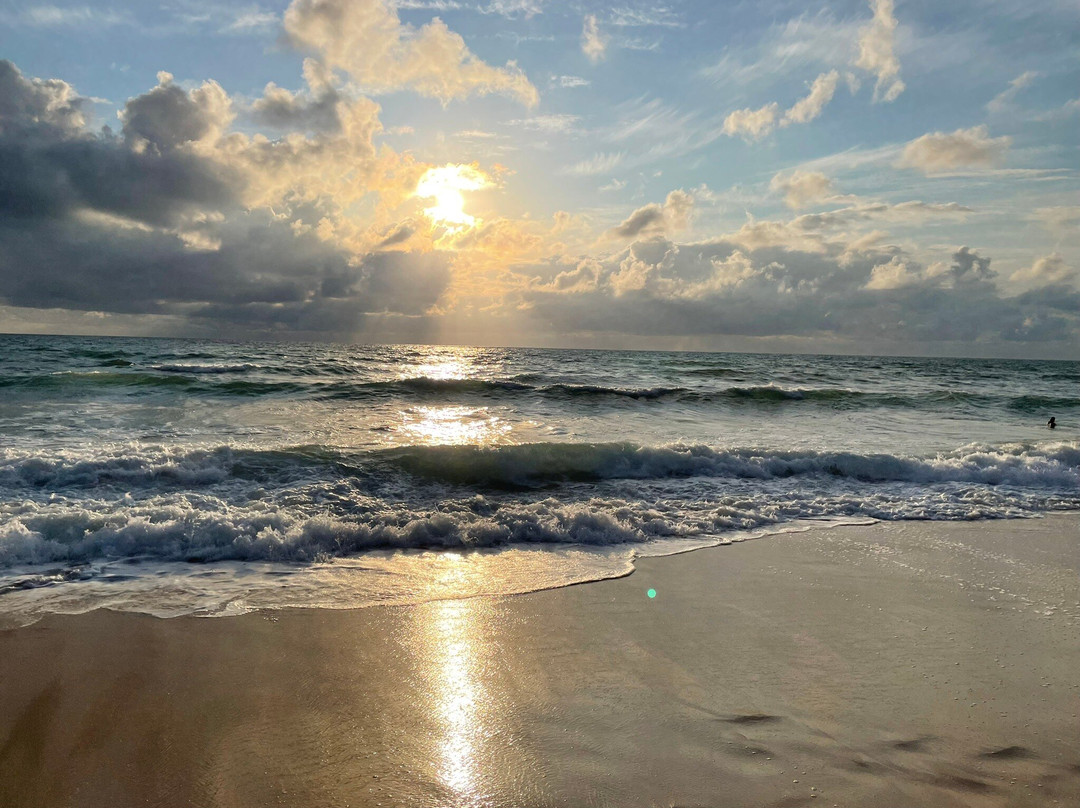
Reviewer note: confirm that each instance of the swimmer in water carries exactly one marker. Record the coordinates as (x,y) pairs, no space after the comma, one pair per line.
(1052,423)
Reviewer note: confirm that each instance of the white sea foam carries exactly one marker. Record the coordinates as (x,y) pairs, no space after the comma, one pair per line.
(1043,465)
(305,505)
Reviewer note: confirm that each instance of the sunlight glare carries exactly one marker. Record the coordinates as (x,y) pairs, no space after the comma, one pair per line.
(454,426)
(445,185)
(451,640)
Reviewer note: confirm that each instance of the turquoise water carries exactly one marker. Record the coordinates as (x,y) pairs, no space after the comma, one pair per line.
(224,469)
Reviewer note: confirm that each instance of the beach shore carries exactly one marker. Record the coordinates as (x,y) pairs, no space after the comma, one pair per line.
(901,664)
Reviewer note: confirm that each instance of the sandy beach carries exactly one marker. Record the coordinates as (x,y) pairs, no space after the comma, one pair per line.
(902,664)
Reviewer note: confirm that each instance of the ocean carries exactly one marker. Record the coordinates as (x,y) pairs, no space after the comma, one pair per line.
(175,477)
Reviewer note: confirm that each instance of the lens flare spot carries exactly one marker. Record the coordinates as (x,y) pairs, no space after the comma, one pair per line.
(651,593)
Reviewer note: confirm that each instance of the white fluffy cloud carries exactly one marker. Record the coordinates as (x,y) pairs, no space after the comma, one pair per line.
(808,108)
(751,123)
(801,188)
(939,152)
(366,39)
(877,51)
(754,124)
(1046,271)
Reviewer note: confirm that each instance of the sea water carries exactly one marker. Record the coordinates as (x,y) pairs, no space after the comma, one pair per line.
(181,476)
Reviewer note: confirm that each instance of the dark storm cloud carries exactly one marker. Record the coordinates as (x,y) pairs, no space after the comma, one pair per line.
(408,283)
(260,270)
(153,221)
(399,234)
(29,105)
(642,220)
(655,219)
(168,116)
(50,167)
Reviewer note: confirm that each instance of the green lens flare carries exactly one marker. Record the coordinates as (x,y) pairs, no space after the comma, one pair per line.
(651,593)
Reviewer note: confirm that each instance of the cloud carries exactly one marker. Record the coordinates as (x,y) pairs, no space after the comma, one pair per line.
(1060,219)
(801,188)
(51,168)
(569,81)
(719,287)
(398,234)
(656,16)
(250,20)
(821,93)
(1047,270)
(50,105)
(653,219)
(429,5)
(169,116)
(752,124)
(514,8)
(547,123)
(366,39)
(593,43)
(600,163)
(895,274)
(967,268)
(939,152)
(1003,99)
(877,51)
(179,217)
(316,109)
(50,16)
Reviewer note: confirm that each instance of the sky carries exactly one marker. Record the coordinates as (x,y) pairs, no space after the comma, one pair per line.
(891,176)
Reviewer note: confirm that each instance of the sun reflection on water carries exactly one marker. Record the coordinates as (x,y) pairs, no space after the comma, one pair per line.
(453,426)
(444,364)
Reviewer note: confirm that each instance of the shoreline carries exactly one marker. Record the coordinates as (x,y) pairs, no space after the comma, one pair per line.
(905,663)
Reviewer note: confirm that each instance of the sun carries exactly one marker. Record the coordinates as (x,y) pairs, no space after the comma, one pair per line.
(445,185)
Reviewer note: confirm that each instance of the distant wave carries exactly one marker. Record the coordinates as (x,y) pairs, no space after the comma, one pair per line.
(540,463)
(212,369)
(240,379)
(1055,465)
(186,382)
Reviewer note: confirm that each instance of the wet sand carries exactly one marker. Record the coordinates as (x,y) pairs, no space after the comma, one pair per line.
(910,664)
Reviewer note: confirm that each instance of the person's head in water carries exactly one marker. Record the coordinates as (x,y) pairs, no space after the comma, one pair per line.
(1052,423)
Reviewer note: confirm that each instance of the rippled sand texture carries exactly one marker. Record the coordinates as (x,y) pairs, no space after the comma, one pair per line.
(914,664)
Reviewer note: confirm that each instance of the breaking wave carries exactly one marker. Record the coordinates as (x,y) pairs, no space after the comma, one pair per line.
(1047,465)
(312,503)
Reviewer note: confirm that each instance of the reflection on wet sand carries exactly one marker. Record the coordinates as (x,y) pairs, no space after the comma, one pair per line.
(454,657)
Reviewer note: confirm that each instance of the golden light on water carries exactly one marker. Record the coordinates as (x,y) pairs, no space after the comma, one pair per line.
(446,184)
(453,426)
(450,425)
(443,368)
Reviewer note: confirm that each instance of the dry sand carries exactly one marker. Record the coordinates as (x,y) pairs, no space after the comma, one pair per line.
(910,664)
